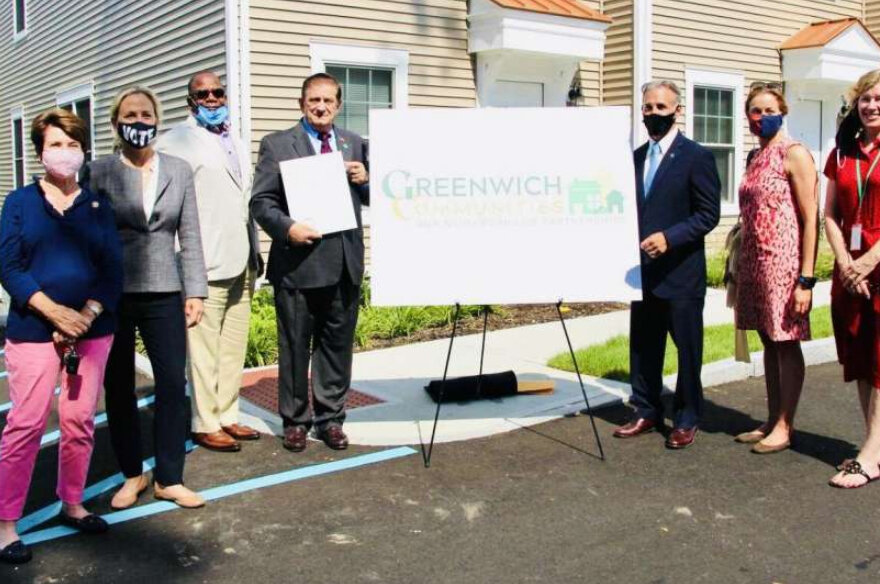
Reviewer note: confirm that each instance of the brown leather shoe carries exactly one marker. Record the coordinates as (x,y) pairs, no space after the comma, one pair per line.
(218,441)
(295,438)
(334,437)
(681,438)
(635,428)
(241,432)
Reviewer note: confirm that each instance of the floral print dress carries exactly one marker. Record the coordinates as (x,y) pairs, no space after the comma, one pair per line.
(770,256)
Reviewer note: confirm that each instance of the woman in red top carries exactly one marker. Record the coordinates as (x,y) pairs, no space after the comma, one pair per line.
(852,223)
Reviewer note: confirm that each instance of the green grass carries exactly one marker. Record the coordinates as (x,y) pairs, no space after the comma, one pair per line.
(611,358)
(373,323)
(715,267)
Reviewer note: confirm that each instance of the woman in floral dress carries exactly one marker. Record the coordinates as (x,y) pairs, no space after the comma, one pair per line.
(779,214)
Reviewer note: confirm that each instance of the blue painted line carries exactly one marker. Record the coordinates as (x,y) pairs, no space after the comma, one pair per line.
(3,374)
(231,489)
(51,511)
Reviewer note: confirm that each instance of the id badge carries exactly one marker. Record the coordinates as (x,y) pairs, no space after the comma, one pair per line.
(855,239)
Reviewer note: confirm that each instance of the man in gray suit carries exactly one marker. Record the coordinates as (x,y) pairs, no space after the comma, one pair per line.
(316,278)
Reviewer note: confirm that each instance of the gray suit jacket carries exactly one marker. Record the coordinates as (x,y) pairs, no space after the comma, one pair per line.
(317,265)
(150,259)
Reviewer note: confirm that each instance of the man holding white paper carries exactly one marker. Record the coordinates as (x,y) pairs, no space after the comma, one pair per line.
(316,276)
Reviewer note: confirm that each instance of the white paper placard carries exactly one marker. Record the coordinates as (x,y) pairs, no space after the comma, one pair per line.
(318,193)
(502,206)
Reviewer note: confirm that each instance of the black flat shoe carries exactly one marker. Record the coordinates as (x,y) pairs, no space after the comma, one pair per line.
(16,553)
(88,524)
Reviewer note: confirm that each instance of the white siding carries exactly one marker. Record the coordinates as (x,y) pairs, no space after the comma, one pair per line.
(110,44)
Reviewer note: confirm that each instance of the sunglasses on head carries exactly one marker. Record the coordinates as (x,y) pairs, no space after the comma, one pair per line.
(774,85)
(219,93)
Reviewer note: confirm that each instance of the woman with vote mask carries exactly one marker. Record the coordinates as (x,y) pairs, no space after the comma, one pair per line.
(852,223)
(774,272)
(61,262)
(153,197)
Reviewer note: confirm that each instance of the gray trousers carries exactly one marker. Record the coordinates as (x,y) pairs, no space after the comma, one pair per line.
(317,323)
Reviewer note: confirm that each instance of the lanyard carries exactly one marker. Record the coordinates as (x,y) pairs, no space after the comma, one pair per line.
(863,187)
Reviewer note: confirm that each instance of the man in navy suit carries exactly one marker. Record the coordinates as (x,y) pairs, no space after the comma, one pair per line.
(678,193)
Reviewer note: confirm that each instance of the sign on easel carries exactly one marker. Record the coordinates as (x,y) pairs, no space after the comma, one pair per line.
(502,206)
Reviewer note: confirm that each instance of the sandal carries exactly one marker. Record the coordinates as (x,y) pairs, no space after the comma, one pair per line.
(855,467)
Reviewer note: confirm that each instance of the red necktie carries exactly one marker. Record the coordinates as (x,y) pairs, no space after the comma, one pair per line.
(325,142)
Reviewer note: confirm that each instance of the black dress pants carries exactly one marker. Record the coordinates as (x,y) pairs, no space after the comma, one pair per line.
(317,323)
(650,321)
(160,319)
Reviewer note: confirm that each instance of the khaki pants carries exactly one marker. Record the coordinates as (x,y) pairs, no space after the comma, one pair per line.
(217,347)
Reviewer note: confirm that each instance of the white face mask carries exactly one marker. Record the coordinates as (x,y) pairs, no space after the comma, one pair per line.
(62,163)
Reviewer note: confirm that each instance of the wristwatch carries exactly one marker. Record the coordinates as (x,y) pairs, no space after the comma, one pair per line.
(94,308)
(806,282)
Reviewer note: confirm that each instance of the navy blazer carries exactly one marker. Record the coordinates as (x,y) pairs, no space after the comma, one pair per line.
(685,204)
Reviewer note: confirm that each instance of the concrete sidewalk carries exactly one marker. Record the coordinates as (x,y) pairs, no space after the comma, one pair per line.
(398,375)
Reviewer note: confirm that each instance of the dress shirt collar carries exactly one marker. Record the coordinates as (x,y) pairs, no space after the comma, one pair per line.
(666,141)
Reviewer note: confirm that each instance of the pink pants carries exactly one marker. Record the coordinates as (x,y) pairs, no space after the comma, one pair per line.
(33,371)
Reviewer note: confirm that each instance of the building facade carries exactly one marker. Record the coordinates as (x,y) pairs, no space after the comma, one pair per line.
(436,53)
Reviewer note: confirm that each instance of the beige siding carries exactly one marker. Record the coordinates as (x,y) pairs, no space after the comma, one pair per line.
(111,45)
(617,69)
(434,32)
(733,36)
(872,16)
(589,74)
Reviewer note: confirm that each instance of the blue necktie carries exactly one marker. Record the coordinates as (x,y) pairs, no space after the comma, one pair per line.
(653,163)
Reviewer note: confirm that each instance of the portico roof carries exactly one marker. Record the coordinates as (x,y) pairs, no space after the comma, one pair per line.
(819,34)
(570,8)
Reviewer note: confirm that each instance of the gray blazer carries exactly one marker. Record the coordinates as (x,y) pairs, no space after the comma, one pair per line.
(150,259)
(317,265)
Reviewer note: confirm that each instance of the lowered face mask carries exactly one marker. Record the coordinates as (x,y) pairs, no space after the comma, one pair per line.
(137,135)
(212,117)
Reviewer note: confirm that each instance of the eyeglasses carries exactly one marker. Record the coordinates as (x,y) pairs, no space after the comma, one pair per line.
(219,93)
(774,85)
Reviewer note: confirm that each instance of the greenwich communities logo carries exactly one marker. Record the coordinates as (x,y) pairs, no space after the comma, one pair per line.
(511,195)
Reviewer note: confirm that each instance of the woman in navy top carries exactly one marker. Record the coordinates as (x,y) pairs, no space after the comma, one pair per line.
(61,262)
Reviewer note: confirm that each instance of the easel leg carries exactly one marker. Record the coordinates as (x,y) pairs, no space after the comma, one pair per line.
(426,454)
(483,349)
(580,379)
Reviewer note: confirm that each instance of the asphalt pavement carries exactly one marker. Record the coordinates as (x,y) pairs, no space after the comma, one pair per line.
(534,505)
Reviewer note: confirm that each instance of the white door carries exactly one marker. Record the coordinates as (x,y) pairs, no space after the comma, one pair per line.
(518,94)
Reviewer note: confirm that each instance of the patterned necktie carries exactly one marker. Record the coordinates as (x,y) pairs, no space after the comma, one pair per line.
(325,142)
(653,163)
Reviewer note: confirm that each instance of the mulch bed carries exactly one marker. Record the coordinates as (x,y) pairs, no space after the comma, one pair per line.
(507,317)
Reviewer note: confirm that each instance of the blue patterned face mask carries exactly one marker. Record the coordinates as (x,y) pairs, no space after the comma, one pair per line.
(212,117)
(766,126)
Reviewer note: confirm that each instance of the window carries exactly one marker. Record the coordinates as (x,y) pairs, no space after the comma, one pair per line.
(20,16)
(714,123)
(371,77)
(362,90)
(18,162)
(713,110)
(79,101)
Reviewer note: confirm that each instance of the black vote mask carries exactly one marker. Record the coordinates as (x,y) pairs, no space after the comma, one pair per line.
(137,135)
(658,125)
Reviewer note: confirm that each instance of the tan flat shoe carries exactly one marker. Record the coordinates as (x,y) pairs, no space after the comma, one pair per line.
(761,448)
(750,437)
(179,495)
(129,493)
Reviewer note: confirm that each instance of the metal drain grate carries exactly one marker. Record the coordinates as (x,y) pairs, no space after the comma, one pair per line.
(261,389)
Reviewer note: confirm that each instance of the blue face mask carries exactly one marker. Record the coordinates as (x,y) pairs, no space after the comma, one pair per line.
(768,126)
(212,117)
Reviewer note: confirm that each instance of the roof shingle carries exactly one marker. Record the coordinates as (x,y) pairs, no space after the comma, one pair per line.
(570,8)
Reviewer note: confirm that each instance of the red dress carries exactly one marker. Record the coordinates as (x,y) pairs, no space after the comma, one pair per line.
(770,253)
(855,318)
